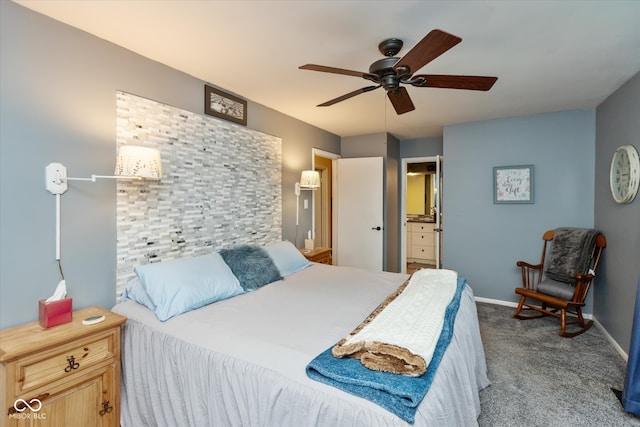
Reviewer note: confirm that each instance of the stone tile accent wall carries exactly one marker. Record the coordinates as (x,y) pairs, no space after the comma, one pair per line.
(220,186)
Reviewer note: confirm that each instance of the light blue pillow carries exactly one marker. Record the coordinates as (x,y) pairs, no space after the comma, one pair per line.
(286,257)
(135,291)
(184,284)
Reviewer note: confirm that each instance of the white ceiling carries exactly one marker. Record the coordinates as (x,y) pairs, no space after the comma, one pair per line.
(547,55)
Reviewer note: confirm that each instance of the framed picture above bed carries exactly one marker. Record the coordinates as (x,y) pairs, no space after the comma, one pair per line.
(513,184)
(224,105)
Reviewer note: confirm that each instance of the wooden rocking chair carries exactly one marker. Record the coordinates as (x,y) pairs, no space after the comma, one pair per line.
(571,264)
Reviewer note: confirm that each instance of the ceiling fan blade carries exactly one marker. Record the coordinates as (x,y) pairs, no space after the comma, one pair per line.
(456,82)
(325,69)
(348,95)
(429,48)
(401,100)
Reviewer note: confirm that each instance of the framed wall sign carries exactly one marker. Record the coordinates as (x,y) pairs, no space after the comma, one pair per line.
(224,105)
(513,184)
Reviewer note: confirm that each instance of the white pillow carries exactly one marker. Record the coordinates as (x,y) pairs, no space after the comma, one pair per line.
(286,257)
(184,284)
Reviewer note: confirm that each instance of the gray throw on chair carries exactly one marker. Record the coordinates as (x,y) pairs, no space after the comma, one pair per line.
(570,253)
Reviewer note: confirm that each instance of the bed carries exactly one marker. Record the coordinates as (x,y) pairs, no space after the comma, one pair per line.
(241,361)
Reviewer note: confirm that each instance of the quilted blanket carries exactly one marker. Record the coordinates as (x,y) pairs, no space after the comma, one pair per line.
(400,394)
(570,253)
(400,336)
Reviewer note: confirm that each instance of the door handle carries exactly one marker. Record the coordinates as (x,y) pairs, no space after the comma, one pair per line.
(376,228)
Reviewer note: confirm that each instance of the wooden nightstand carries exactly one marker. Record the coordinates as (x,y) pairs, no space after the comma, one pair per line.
(320,255)
(73,370)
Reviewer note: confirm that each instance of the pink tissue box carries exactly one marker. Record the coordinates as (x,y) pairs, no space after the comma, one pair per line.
(55,312)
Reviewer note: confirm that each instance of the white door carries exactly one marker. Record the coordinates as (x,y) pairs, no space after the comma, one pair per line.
(358,212)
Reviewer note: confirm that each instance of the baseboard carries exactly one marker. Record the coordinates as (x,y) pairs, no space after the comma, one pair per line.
(613,342)
(514,304)
(586,316)
(496,302)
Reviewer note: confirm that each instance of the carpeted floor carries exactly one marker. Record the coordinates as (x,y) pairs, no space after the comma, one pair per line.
(542,379)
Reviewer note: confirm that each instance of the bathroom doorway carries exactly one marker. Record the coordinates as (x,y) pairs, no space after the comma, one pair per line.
(322,161)
(421,213)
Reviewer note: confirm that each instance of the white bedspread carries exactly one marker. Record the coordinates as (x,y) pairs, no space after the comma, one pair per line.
(241,362)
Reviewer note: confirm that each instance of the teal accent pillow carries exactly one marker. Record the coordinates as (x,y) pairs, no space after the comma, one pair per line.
(252,265)
(287,257)
(184,284)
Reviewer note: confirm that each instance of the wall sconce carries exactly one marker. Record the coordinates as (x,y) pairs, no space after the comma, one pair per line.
(138,162)
(309,180)
(133,162)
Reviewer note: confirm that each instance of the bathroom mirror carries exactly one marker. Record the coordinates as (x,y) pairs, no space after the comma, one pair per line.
(420,195)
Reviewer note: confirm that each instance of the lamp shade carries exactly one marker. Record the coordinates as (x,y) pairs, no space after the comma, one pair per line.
(310,179)
(138,162)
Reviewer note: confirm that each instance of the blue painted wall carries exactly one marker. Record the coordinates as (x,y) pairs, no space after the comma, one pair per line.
(483,240)
(617,124)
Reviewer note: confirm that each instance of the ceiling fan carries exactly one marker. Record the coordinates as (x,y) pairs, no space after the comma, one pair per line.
(391,72)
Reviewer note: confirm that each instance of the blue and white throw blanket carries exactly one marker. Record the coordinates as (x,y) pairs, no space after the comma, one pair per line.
(399,393)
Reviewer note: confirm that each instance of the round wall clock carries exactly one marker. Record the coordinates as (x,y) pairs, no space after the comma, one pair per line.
(624,176)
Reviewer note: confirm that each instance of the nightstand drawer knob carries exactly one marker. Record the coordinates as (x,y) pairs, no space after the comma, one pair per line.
(106,408)
(72,364)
